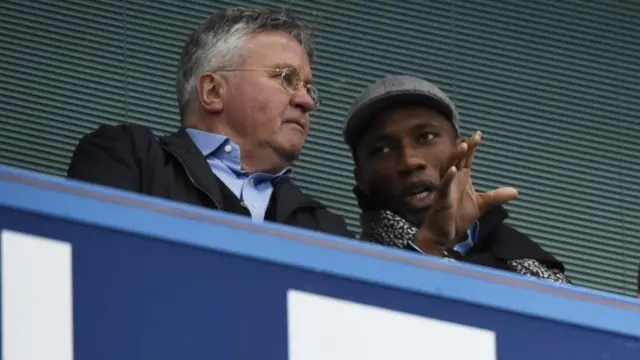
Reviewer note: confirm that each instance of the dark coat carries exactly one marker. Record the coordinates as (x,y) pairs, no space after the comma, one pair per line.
(130,157)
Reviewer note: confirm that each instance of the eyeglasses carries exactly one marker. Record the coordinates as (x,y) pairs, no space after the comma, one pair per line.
(289,79)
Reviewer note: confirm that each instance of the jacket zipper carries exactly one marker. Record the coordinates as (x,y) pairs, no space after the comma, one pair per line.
(184,166)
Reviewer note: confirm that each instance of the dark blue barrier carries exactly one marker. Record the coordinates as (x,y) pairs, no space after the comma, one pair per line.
(94,273)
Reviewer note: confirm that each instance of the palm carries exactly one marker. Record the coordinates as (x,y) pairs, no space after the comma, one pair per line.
(455,208)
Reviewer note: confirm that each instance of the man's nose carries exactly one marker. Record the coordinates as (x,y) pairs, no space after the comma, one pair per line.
(303,100)
(410,161)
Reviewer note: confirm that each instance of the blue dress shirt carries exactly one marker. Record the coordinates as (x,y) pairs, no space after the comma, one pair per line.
(252,189)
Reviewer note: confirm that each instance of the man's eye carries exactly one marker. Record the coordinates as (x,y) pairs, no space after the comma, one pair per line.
(379,150)
(290,79)
(427,136)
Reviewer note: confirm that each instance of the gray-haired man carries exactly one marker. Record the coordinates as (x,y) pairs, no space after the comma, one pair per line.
(245,92)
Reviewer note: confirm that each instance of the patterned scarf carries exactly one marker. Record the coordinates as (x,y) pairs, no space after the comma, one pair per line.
(386,228)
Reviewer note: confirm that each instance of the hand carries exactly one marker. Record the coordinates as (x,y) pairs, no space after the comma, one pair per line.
(456,204)
(472,204)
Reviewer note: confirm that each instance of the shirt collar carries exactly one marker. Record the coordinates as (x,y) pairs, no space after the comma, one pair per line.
(206,142)
(225,150)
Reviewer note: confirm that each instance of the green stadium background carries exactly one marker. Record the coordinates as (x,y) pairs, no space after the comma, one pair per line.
(553,85)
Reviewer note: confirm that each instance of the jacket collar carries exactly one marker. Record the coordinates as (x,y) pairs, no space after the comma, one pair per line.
(289,196)
(181,146)
(507,243)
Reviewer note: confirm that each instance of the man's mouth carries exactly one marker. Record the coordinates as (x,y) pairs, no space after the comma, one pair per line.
(419,194)
(295,122)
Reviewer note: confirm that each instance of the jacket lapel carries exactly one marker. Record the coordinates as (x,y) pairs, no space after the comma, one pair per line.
(289,198)
(506,243)
(180,145)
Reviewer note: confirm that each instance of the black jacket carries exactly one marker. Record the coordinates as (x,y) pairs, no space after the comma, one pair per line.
(498,243)
(130,157)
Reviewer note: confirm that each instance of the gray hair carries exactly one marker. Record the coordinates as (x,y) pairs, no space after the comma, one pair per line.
(218,42)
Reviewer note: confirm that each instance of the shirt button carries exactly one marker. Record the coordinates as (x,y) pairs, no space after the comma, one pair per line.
(253,206)
(227,148)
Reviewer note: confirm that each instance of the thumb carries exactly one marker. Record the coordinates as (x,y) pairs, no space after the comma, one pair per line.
(496,197)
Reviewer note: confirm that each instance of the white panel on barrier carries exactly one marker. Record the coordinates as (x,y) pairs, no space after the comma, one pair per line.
(321,328)
(37,298)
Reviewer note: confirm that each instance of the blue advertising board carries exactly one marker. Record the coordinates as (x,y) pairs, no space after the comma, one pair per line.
(95,273)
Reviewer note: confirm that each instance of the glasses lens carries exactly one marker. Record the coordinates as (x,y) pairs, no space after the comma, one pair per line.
(290,80)
(313,92)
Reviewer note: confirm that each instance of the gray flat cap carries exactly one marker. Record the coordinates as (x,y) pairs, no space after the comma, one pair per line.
(394,91)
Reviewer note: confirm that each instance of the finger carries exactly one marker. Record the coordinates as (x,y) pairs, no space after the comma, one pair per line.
(496,197)
(443,192)
(460,155)
(456,156)
(475,140)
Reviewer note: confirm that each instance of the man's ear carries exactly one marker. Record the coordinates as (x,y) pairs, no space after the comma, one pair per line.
(211,88)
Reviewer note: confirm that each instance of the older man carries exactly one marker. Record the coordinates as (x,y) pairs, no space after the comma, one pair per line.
(245,94)
(413,175)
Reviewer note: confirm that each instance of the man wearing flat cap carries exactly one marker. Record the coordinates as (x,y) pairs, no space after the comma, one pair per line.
(413,182)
